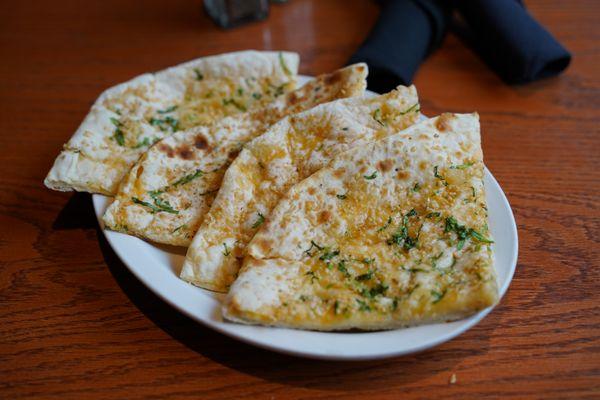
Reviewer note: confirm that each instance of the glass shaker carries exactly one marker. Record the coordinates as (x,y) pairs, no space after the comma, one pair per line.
(229,13)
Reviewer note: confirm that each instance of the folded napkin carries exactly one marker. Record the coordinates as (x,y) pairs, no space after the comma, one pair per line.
(510,40)
(405,33)
(501,32)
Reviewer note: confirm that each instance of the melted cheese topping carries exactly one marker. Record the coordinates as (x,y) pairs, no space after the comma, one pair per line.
(390,234)
(151,205)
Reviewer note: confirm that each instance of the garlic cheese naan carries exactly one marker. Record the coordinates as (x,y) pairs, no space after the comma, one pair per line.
(128,118)
(391,233)
(270,164)
(169,190)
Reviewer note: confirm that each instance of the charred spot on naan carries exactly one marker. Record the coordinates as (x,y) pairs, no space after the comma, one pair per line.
(201,143)
(324,217)
(293,98)
(443,122)
(338,173)
(402,175)
(385,165)
(333,78)
(185,152)
(165,148)
(233,153)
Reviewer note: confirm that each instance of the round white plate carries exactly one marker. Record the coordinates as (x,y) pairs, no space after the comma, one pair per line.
(158,267)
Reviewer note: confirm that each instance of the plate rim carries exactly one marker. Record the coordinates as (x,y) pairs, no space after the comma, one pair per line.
(223,327)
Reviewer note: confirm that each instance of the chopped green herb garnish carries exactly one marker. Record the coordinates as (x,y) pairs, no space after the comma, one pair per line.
(167,110)
(372,176)
(387,224)
(312,275)
(279,90)
(401,237)
(163,205)
(413,270)
(240,92)
(362,305)
(434,214)
(416,187)
(162,124)
(478,236)
(364,277)
(158,206)
(233,102)
(440,177)
(462,232)
(414,107)
(284,66)
(257,96)
(336,307)
(377,116)
(143,143)
(462,166)
(342,196)
(367,261)
(259,221)
(199,75)
(375,291)
(312,245)
(303,297)
(342,268)
(226,251)
(179,227)
(119,137)
(437,296)
(188,178)
(328,255)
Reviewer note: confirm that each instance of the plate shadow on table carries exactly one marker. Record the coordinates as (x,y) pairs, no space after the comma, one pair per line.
(264,364)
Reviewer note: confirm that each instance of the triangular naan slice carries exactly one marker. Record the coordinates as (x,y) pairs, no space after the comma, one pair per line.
(269,165)
(128,118)
(390,234)
(167,193)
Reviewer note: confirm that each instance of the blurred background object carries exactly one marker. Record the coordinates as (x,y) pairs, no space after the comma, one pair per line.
(230,13)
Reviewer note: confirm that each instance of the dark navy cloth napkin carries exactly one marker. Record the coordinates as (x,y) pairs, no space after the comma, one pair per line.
(510,40)
(501,32)
(405,33)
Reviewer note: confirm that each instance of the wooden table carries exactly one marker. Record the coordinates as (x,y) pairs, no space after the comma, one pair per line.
(76,324)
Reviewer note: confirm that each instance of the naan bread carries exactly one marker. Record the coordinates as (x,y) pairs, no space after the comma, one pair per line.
(128,118)
(389,234)
(167,193)
(269,165)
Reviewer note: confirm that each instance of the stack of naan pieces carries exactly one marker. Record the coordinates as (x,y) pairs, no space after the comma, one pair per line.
(315,207)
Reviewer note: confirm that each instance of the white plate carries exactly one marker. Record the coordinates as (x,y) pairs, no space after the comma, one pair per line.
(158,268)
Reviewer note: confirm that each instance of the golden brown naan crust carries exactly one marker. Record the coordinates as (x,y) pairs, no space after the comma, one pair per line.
(269,165)
(390,234)
(167,193)
(128,118)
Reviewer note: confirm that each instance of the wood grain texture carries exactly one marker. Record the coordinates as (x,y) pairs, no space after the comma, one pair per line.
(74,323)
